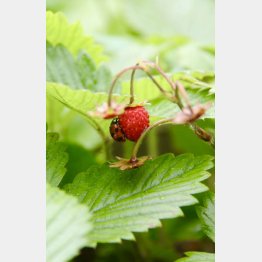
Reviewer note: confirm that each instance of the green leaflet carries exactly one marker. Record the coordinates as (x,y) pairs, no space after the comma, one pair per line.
(67,225)
(80,159)
(206,214)
(56,159)
(59,31)
(78,73)
(123,202)
(61,67)
(197,257)
(84,102)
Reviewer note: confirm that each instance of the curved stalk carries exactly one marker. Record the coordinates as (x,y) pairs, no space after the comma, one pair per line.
(160,87)
(162,90)
(115,80)
(139,141)
(158,68)
(132,97)
(176,86)
(134,68)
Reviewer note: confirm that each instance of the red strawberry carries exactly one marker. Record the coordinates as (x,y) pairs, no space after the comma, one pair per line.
(134,121)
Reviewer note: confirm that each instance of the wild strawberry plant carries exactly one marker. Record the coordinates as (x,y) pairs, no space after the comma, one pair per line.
(95,196)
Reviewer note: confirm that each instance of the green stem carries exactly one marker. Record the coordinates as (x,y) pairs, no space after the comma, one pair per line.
(167,94)
(127,148)
(174,86)
(132,97)
(115,80)
(153,143)
(139,141)
(153,80)
(161,72)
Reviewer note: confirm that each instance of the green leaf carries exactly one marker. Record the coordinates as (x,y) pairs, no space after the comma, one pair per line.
(78,73)
(70,125)
(67,225)
(197,257)
(135,200)
(71,36)
(56,159)
(80,159)
(83,102)
(103,78)
(61,67)
(206,215)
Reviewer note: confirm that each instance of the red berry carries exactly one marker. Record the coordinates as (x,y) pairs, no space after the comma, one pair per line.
(134,121)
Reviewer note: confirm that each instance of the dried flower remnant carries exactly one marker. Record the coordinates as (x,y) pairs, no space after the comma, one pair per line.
(189,115)
(125,164)
(106,112)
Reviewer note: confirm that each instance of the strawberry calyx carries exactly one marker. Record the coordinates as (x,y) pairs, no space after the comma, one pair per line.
(125,164)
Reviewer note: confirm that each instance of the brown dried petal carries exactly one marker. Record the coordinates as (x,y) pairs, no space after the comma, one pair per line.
(106,112)
(188,116)
(124,164)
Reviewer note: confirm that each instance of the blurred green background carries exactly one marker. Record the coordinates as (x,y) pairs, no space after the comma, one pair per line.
(181,34)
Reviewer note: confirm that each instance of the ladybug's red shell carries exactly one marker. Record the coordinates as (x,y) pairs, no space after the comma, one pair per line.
(116,131)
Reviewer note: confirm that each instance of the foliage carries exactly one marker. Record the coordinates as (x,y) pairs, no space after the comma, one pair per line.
(88,202)
(56,158)
(59,31)
(197,257)
(125,202)
(206,214)
(79,73)
(67,225)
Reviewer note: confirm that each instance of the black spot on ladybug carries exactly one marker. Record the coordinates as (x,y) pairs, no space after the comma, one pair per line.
(116,131)
(120,139)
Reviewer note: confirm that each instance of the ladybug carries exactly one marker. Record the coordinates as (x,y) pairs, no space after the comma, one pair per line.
(116,131)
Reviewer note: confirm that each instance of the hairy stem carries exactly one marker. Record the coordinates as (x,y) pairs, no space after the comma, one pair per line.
(167,94)
(132,97)
(161,72)
(153,143)
(115,80)
(162,90)
(139,141)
